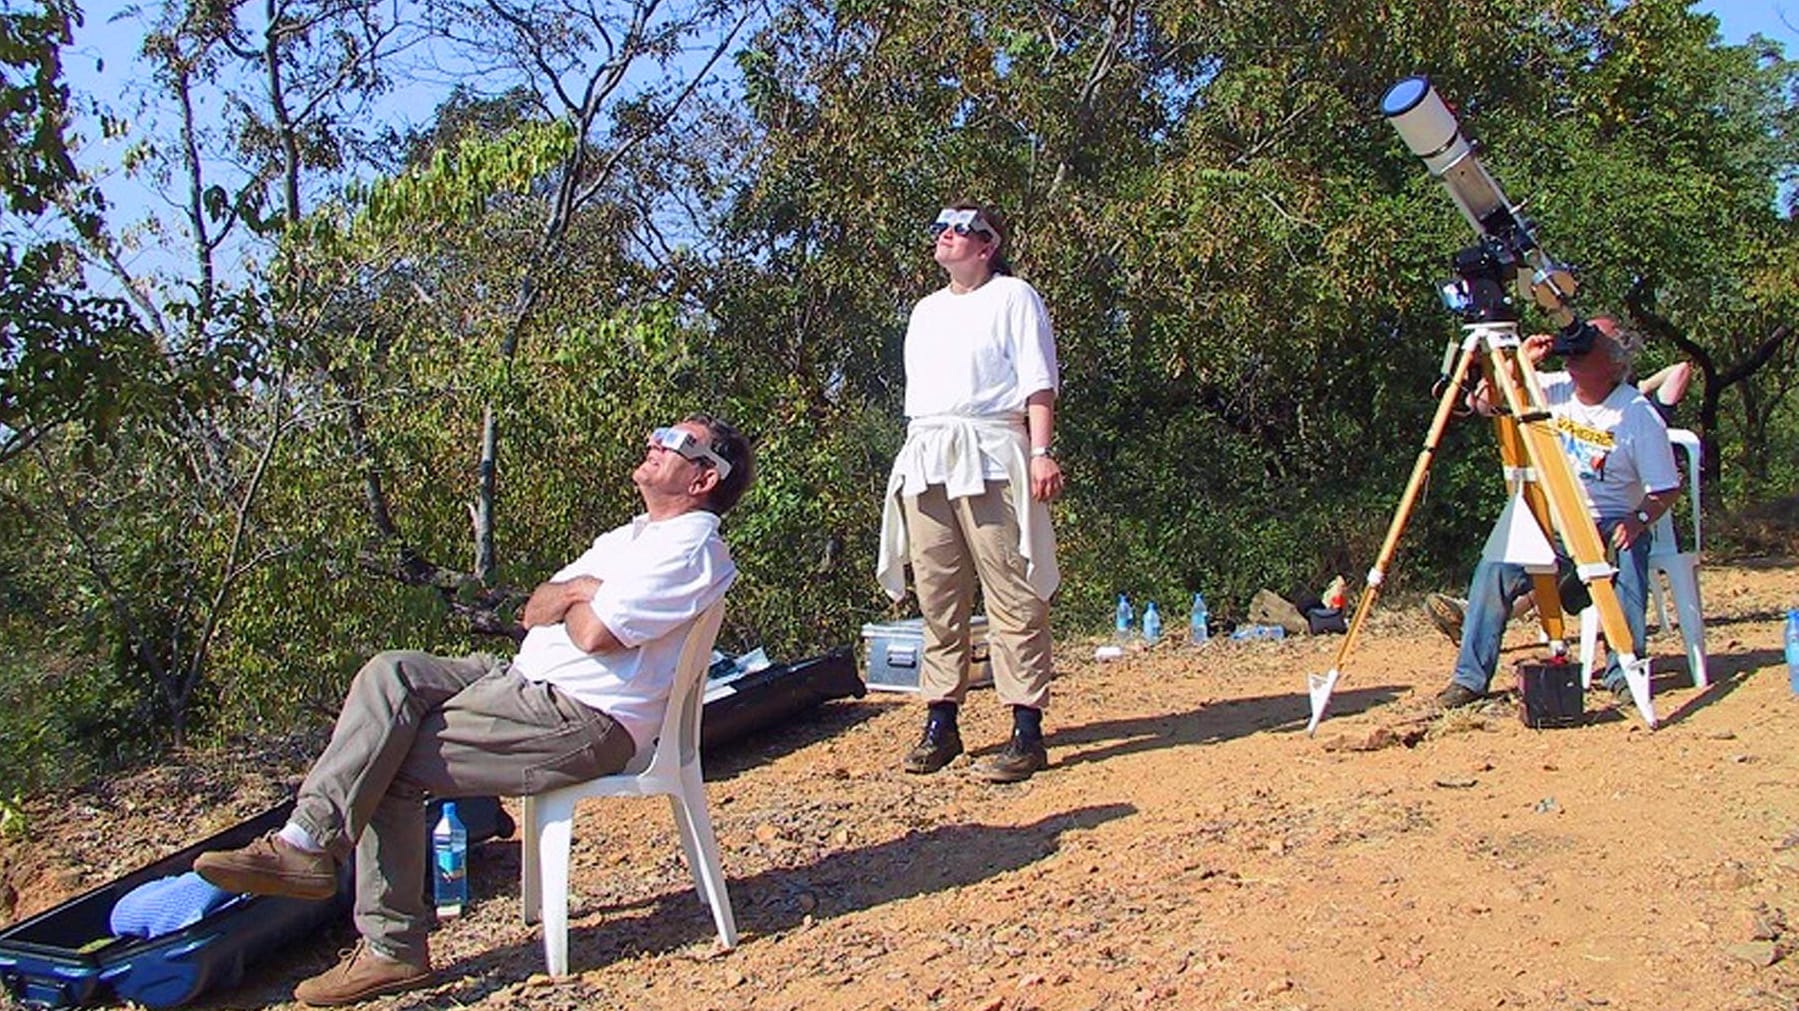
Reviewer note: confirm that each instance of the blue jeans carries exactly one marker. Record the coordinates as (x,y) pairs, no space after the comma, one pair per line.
(1497,584)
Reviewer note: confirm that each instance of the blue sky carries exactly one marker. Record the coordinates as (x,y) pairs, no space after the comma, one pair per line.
(1739,19)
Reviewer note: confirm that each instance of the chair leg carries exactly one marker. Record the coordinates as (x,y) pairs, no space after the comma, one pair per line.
(695,825)
(530,876)
(1683,580)
(689,847)
(1589,644)
(554,822)
(1659,598)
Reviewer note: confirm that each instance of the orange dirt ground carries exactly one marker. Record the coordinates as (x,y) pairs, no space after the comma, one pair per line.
(1190,846)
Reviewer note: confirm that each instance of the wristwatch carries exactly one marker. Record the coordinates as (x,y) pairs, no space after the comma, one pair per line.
(1643,516)
(1041,451)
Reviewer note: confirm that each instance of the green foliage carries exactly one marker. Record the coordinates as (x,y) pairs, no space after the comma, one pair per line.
(1239,257)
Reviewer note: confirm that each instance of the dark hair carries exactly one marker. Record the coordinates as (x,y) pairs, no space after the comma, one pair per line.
(996,221)
(731,444)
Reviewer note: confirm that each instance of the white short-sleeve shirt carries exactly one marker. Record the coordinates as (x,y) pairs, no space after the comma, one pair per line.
(1619,447)
(979,353)
(654,578)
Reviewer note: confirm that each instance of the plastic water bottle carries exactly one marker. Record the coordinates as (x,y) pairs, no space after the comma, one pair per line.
(449,862)
(1123,617)
(1197,632)
(1792,644)
(1152,623)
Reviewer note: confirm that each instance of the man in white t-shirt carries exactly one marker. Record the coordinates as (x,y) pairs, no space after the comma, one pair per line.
(585,693)
(1619,449)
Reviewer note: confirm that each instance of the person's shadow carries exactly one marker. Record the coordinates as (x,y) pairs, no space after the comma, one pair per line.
(773,901)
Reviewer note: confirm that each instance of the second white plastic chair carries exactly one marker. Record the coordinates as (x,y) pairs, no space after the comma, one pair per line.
(672,769)
(1682,570)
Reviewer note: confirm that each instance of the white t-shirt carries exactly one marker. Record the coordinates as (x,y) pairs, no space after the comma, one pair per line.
(979,354)
(1619,447)
(654,578)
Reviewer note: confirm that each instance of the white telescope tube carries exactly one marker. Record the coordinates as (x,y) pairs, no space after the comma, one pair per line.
(1431,131)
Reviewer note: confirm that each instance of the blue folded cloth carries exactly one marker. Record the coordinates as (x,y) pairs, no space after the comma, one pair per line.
(166,905)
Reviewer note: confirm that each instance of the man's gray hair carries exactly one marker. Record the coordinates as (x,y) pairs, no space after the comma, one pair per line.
(1626,344)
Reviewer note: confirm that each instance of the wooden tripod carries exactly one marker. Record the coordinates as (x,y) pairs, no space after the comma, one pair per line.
(1539,472)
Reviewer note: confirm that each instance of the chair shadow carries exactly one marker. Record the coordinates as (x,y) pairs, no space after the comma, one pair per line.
(1224,720)
(766,904)
(1727,672)
(1771,616)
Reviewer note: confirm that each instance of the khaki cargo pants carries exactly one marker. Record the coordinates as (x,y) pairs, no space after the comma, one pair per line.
(415,724)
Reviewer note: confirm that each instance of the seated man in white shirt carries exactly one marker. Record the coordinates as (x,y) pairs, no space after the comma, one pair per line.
(585,693)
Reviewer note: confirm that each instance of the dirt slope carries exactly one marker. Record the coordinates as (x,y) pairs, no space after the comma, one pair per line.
(1190,847)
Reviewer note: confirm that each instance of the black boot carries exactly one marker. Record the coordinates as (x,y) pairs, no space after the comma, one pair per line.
(941,741)
(1023,755)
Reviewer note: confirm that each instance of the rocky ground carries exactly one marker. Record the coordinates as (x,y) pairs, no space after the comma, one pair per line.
(1189,847)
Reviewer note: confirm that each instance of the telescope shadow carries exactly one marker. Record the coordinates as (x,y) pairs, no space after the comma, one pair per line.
(769,903)
(1224,720)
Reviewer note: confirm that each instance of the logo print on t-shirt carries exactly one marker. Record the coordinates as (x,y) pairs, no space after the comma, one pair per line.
(1587,446)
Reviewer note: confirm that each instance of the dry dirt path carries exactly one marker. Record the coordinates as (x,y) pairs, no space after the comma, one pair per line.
(1189,847)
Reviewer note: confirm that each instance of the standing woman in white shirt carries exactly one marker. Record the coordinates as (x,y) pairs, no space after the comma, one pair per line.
(969,491)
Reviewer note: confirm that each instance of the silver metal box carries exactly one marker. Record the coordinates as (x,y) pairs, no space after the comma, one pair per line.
(895,649)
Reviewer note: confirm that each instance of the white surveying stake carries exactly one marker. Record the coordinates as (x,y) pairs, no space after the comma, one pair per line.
(1545,497)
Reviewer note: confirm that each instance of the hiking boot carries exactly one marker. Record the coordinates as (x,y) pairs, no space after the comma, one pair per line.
(1457,695)
(1015,763)
(363,973)
(1446,613)
(941,743)
(271,866)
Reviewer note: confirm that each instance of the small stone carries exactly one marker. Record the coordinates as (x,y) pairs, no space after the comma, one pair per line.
(1456,782)
(1547,806)
(1731,877)
(1722,735)
(767,833)
(1760,954)
(1758,925)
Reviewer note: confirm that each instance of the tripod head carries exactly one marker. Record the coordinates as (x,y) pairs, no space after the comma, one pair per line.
(1507,256)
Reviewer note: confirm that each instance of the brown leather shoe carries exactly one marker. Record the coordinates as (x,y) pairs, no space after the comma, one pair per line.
(362,974)
(270,866)
(1016,762)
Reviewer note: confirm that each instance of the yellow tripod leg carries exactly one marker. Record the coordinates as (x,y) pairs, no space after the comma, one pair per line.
(1522,477)
(1320,686)
(1572,515)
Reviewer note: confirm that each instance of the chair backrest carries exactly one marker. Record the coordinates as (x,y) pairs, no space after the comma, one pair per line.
(678,742)
(1664,541)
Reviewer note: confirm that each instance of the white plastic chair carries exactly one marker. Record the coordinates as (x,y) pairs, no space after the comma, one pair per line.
(1682,570)
(672,769)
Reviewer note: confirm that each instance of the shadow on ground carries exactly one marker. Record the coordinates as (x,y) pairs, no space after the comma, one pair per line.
(920,863)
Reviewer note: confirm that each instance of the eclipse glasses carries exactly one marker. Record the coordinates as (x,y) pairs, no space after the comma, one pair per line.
(681,441)
(962,222)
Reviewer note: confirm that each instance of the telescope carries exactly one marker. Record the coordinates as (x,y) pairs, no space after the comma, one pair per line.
(1546,497)
(1507,256)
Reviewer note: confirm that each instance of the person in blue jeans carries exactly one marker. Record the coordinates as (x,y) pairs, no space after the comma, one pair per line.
(1619,449)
